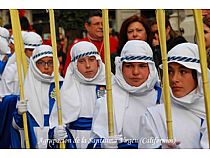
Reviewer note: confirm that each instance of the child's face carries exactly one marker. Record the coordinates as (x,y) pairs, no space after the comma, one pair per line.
(88,66)
(135,73)
(45,65)
(181,80)
(29,52)
(12,47)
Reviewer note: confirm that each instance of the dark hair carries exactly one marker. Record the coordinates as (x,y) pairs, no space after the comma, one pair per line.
(172,33)
(8,26)
(123,38)
(38,28)
(194,75)
(91,14)
(206,20)
(24,23)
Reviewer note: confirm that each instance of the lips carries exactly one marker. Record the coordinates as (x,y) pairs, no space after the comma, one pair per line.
(47,73)
(89,73)
(100,31)
(176,88)
(135,79)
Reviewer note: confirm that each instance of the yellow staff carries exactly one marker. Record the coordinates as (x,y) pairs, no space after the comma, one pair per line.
(108,70)
(203,62)
(160,16)
(56,74)
(19,51)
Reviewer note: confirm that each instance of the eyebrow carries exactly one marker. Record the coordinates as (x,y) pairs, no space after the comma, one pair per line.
(131,63)
(183,67)
(180,67)
(44,61)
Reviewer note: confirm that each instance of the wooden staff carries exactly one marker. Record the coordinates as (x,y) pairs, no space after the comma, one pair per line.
(108,70)
(56,74)
(18,42)
(160,16)
(203,62)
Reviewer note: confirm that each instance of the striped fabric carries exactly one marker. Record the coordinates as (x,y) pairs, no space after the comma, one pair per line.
(129,58)
(183,59)
(4,37)
(82,55)
(42,53)
(35,45)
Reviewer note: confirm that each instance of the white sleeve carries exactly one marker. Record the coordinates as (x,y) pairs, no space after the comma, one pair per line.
(15,126)
(148,133)
(100,123)
(21,131)
(204,139)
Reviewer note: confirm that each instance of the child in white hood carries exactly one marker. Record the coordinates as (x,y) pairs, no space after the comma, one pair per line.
(84,83)
(39,96)
(135,88)
(4,49)
(187,104)
(10,82)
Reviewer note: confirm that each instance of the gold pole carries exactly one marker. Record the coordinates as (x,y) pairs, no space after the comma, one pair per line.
(56,74)
(108,70)
(23,55)
(203,62)
(17,41)
(160,16)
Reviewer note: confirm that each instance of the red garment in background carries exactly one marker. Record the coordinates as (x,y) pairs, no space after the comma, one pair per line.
(21,12)
(99,45)
(47,42)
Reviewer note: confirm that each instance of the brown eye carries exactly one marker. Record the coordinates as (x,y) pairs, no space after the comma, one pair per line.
(50,63)
(92,58)
(130,31)
(43,63)
(127,65)
(170,72)
(143,65)
(81,61)
(183,72)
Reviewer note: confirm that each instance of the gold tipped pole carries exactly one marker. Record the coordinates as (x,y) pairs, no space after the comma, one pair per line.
(160,16)
(56,74)
(19,51)
(23,55)
(108,70)
(203,62)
